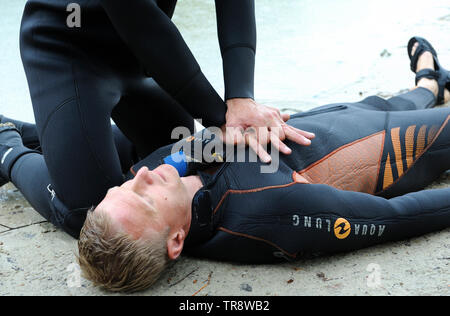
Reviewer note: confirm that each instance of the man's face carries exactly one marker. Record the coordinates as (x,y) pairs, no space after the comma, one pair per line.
(151,202)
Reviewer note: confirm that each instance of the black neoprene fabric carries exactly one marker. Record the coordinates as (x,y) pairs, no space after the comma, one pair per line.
(128,62)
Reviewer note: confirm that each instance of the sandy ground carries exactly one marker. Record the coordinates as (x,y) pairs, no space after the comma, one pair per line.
(38,259)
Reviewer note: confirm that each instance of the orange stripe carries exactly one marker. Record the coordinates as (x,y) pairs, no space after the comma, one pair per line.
(388,178)
(422,151)
(421,141)
(258,239)
(432,133)
(409,144)
(395,135)
(299,178)
(251,191)
(379,161)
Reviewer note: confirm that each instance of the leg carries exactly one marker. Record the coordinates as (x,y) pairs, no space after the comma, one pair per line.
(28,132)
(389,153)
(72,104)
(416,147)
(147,115)
(77,141)
(422,96)
(417,97)
(416,151)
(27,169)
(29,173)
(30,139)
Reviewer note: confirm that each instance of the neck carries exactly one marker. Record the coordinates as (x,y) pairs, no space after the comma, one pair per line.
(192,185)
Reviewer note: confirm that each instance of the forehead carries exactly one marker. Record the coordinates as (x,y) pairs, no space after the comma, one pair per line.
(123,196)
(121,202)
(129,210)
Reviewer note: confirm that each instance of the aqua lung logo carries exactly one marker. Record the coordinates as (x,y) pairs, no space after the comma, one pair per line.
(340,228)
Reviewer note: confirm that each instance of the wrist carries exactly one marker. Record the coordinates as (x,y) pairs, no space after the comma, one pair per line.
(239,101)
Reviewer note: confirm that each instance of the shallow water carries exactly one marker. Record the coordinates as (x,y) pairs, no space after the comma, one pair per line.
(309,52)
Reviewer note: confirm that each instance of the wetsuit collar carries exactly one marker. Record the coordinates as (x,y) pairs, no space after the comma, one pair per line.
(202,223)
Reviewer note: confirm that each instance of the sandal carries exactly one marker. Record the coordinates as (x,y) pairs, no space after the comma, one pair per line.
(441,75)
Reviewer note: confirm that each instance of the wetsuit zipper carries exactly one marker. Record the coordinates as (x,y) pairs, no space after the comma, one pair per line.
(315,112)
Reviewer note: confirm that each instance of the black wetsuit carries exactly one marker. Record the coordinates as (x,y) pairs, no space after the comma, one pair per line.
(81,77)
(350,189)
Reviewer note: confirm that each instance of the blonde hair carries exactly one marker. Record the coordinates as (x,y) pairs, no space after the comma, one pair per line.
(111,259)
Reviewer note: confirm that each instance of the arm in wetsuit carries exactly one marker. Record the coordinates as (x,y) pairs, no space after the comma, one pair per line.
(332,220)
(157,43)
(159,46)
(291,220)
(236,28)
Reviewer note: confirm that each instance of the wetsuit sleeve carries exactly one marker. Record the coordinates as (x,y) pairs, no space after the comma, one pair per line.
(237,38)
(159,46)
(332,220)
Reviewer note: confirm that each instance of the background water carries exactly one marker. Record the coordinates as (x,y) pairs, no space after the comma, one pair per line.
(309,52)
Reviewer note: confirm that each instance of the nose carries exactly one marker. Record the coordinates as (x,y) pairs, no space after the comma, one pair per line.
(143,169)
(143,176)
(170,172)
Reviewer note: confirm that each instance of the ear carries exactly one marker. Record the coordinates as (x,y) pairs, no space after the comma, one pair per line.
(175,244)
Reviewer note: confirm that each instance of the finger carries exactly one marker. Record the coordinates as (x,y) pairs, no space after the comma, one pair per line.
(285,117)
(263,135)
(293,135)
(279,131)
(273,109)
(256,146)
(279,145)
(300,132)
(233,135)
(308,135)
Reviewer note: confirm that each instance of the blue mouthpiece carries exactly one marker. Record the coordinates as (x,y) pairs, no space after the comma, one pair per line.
(179,161)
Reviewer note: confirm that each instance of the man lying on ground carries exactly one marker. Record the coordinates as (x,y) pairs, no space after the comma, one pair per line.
(355,186)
